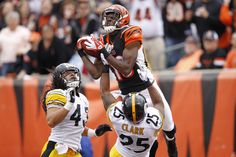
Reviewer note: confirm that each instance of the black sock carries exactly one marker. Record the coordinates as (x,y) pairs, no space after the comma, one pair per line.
(153,149)
(170,134)
(171,142)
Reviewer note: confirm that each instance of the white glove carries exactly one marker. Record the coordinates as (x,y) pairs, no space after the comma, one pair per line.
(145,75)
(84,38)
(93,44)
(109,47)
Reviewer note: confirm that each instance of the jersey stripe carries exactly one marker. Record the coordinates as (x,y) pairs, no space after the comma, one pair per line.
(56,99)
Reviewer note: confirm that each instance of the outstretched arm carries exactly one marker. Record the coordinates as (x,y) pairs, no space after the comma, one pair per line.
(94,69)
(99,131)
(106,95)
(157,100)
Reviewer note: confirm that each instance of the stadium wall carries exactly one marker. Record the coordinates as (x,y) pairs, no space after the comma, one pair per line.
(203,106)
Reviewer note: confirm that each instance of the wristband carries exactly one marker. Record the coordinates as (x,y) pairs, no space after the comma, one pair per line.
(104,52)
(105,69)
(81,53)
(91,133)
(68,106)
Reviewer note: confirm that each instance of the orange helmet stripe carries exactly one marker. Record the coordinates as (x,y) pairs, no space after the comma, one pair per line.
(133,108)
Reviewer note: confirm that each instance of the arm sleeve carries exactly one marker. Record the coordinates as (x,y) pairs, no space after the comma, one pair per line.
(157,116)
(55,98)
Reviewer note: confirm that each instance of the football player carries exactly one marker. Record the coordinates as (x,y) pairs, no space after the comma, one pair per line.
(121,48)
(136,124)
(67,114)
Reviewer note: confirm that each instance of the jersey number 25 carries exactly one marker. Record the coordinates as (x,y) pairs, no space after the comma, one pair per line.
(141,142)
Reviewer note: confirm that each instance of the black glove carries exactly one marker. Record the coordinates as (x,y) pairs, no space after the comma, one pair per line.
(101,129)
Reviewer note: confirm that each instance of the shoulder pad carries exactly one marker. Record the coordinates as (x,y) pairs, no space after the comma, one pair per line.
(132,34)
(56,97)
(155,117)
(111,107)
(115,109)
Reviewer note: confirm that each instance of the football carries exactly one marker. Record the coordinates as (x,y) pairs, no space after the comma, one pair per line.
(93,53)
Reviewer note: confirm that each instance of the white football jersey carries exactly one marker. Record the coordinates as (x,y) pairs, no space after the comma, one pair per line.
(147,14)
(69,131)
(135,140)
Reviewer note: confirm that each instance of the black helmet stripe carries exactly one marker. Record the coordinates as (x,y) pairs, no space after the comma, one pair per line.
(133,108)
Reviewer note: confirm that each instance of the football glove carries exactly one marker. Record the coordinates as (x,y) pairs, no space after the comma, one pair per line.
(101,129)
(94,44)
(79,46)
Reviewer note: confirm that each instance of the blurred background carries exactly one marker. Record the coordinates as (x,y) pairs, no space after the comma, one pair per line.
(190,46)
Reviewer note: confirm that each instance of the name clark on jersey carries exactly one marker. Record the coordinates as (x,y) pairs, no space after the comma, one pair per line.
(132,129)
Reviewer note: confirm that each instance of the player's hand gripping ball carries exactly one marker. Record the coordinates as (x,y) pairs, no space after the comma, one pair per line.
(90,45)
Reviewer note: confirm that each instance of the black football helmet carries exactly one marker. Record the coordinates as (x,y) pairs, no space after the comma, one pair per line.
(134,107)
(60,82)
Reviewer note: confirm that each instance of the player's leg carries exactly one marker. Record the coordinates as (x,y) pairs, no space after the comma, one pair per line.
(71,153)
(68,154)
(114,152)
(171,142)
(169,127)
(50,151)
(153,149)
